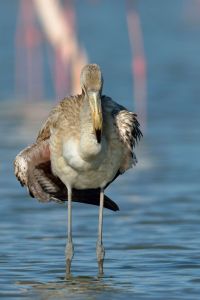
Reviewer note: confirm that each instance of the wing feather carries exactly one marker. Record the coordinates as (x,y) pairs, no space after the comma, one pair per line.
(127,128)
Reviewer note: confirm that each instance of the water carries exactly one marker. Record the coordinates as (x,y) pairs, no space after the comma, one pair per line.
(153,242)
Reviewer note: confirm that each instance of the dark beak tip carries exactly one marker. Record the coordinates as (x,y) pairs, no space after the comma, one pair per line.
(98,135)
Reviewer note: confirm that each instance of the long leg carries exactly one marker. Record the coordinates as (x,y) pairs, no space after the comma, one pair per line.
(100,249)
(69,251)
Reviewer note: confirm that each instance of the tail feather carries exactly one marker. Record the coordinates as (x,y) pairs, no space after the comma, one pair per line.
(91,196)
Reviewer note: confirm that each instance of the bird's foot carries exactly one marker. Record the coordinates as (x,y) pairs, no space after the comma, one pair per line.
(69,253)
(100,257)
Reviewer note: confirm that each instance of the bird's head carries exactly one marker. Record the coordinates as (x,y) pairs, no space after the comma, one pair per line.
(91,84)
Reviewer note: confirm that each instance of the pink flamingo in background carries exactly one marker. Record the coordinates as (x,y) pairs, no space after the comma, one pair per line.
(138,61)
(29,71)
(58,24)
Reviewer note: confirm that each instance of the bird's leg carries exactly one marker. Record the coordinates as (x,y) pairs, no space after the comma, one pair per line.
(69,251)
(100,249)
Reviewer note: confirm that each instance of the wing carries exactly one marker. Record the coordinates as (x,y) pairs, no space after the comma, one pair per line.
(33,170)
(128,128)
(57,114)
(128,131)
(45,131)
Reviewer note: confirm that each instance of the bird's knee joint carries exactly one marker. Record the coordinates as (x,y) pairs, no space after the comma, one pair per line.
(69,251)
(100,252)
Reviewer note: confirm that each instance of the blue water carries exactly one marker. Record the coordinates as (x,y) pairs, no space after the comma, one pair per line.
(153,242)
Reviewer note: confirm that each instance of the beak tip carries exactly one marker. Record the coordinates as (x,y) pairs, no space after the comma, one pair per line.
(98,135)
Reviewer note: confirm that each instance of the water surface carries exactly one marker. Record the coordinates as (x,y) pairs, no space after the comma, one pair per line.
(153,242)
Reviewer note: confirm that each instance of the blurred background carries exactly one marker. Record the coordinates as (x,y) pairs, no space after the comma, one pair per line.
(149,55)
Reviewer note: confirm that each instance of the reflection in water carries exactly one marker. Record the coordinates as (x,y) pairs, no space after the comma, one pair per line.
(76,287)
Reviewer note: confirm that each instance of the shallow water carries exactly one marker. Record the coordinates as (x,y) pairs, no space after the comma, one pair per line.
(153,242)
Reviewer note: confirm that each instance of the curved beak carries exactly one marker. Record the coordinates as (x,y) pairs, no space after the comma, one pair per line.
(95,105)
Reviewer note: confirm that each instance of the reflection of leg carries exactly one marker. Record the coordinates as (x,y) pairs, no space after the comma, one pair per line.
(100,249)
(69,251)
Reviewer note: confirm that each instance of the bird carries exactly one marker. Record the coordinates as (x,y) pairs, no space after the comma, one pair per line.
(86,142)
